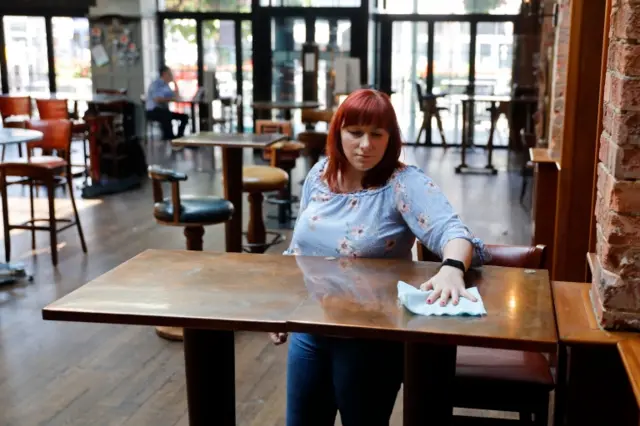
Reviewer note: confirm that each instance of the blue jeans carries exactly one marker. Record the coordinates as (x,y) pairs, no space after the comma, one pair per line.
(358,377)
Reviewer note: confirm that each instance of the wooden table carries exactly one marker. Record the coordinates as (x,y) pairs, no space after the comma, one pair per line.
(468,102)
(285,106)
(591,376)
(232,145)
(212,295)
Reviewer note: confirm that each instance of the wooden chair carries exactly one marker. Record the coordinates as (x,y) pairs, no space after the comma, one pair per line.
(56,109)
(429,110)
(528,140)
(498,379)
(48,170)
(191,212)
(15,112)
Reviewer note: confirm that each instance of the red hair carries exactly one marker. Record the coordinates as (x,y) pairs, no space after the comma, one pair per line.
(364,107)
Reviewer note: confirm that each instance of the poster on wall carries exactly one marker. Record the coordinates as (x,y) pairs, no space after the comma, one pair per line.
(99,54)
(116,35)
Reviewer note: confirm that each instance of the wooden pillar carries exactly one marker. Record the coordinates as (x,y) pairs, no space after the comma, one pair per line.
(580,135)
(545,186)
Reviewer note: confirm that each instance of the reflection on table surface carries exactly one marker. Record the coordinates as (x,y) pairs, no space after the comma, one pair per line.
(241,291)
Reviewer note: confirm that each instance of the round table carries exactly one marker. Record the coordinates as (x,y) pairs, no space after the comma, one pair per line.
(9,135)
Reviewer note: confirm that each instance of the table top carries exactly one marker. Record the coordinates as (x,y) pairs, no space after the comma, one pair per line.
(540,155)
(359,298)
(97,98)
(229,140)
(13,135)
(577,323)
(347,297)
(284,104)
(630,353)
(495,98)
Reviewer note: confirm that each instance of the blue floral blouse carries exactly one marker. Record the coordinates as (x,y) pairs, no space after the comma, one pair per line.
(378,222)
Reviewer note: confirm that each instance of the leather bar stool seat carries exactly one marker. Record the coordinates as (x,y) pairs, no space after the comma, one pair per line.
(255,181)
(503,364)
(194,210)
(263,179)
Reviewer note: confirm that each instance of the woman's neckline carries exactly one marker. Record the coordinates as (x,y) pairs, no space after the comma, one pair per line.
(363,191)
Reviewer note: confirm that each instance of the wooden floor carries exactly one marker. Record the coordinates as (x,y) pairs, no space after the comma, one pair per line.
(87,374)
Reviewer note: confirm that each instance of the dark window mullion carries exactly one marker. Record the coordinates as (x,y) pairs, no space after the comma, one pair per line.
(239,76)
(4,72)
(50,54)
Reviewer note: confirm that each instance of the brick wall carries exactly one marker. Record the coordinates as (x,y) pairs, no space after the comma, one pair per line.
(544,72)
(616,277)
(559,78)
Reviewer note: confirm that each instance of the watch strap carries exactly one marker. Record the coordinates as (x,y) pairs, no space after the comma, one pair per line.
(454,263)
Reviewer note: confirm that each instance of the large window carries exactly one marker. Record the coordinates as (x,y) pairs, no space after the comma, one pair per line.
(26,50)
(72,55)
(181,54)
(205,5)
(458,7)
(311,3)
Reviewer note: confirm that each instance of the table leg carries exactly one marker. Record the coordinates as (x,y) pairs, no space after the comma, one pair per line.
(463,151)
(232,175)
(429,373)
(494,115)
(210,372)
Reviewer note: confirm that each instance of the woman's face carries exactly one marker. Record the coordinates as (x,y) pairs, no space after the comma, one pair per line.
(364,146)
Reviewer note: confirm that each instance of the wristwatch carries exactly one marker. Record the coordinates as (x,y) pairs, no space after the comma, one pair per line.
(455,263)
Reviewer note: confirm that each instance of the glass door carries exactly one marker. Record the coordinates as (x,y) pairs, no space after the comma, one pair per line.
(333,37)
(26,53)
(227,67)
(493,76)
(409,68)
(181,55)
(451,75)
(287,37)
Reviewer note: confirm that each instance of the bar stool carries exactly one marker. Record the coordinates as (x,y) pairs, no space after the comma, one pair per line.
(256,180)
(191,212)
(283,155)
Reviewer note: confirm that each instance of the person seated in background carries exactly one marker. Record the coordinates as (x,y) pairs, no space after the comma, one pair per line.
(157,105)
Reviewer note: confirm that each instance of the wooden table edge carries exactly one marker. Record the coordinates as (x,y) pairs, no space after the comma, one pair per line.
(50,314)
(415,336)
(179,142)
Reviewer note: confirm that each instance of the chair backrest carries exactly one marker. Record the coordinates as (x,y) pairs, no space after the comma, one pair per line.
(313,140)
(502,255)
(52,109)
(419,93)
(15,105)
(270,126)
(158,175)
(56,136)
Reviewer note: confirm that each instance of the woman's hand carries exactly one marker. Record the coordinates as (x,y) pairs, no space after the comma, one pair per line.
(448,282)
(278,338)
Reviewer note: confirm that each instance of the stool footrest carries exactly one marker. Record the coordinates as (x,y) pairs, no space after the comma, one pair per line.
(277,239)
(275,199)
